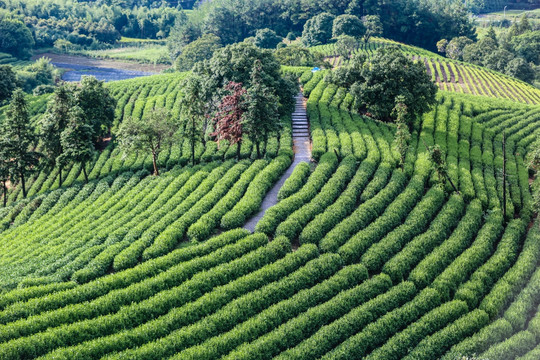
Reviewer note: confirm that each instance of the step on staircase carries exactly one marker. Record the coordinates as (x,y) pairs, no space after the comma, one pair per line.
(300,129)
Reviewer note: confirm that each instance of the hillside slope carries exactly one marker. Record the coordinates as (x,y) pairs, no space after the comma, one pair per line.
(450,75)
(390,265)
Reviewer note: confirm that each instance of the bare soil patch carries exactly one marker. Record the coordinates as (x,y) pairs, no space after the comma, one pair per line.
(101,63)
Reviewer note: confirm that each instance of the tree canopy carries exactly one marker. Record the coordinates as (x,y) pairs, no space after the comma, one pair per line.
(389,74)
(149,133)
(18,140)
(233,63)
(8,82)
(97,104)
(15,38)
(267,39)
(318,30)
(199,50)
(349,25)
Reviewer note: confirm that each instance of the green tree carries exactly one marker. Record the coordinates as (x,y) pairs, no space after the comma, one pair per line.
(4,170)
(233,63)
(261,118)
(182,33)
(373,26)
(521,69)
(267,39)
(533,162)
(15,38)
(527,46)
(441,45)
(348,25)
(390,75)
(455,48)
(403,135)
(8,82)
(77,140)
(296,55)
(193,105)
(18,140)
(226,24)
(53,123)
(150,133)
(199,50)
(477,52)
(347,76)
(346,45)
(318,30)
(491,34)
(437,159)
(498,60)
(41,72)
(98,105)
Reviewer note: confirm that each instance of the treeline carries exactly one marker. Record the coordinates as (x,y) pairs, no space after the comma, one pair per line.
(76,119)
(515,52)
(417,22)
(84,25)
(234,103)
(483,6)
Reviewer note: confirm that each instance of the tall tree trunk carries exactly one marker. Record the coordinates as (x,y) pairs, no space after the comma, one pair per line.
(258,146)
(156,170)
(454,186)
(193,152)
(23,185)
(84,172)
(504,176)
(4,188)
(60,177)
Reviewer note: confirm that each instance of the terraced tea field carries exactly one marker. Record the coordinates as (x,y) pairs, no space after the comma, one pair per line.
(389,265)
(450,75)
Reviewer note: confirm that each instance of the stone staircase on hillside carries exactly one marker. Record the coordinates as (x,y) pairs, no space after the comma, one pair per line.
(302,152)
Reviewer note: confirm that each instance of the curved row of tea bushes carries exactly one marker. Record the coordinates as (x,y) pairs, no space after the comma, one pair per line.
(343,206)
(376,333)
(250,203)
(196,206)
(482,280)
(442,256)
(414,224)
(467,262)
(402,263)
(434,346)
(148,303)
(277,314)
(295,222)
(296,181)
(208,222)
(238,310)
(338,331)
(279,212)
(196,310)
(304,325)
(398,346)
(363,215)
(120,280)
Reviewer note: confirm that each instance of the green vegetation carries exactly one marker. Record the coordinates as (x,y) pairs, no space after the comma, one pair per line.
(398,222)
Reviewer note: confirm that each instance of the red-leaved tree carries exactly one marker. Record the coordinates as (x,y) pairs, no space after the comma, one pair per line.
(228,119)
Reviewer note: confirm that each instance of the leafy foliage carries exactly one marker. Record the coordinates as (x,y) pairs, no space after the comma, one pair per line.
(150,133)
(18,140)
(391,74)
(8,82)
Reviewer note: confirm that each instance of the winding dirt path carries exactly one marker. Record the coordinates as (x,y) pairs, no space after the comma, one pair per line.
(302,152)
